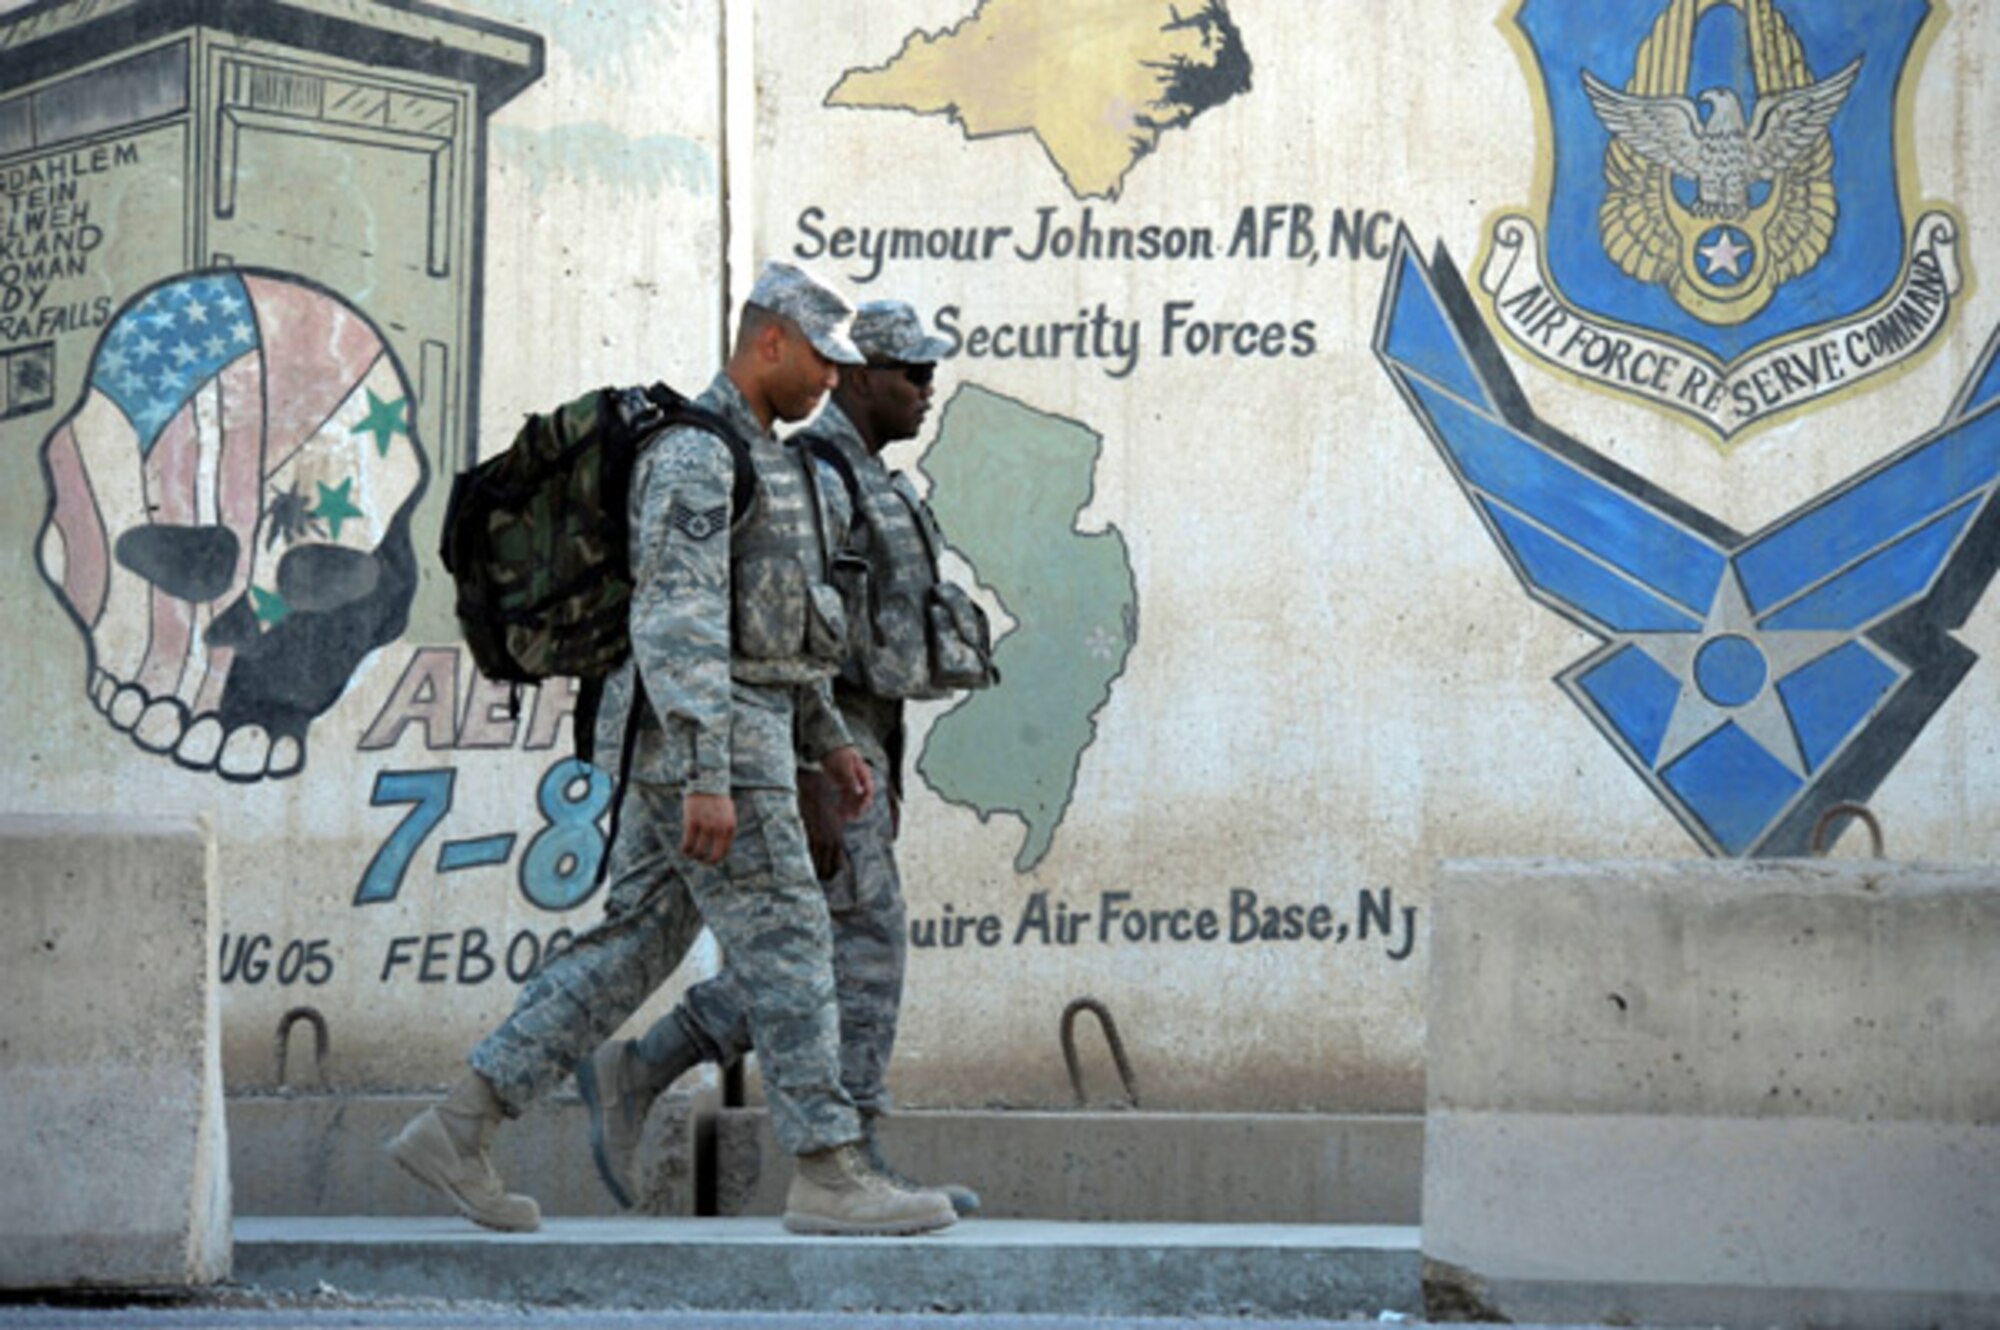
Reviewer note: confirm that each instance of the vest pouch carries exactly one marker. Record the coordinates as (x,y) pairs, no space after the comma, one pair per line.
(771,607)
(893,646)
(854,581)
(851,577)
(961,640)
(826,625)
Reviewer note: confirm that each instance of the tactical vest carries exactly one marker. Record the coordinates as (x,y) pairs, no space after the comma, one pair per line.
(787,622)
(911,634)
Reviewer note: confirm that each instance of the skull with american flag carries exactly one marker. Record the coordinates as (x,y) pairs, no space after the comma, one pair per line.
(229,515)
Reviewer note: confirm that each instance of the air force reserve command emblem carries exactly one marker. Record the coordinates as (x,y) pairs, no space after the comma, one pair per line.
(1725,188)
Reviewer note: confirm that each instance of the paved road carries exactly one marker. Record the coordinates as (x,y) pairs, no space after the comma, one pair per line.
(342,1314)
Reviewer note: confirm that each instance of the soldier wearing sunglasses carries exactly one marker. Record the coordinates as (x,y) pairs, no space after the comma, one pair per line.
(912,635)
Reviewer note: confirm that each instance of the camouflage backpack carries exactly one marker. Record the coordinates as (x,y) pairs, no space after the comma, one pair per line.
(537,538)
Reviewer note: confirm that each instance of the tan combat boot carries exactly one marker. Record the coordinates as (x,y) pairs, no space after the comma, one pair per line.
(835,1192)
(445,1147)
(964,1200)
(619,1083)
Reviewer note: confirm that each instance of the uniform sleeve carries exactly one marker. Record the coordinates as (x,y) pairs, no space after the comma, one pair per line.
(680,596)
(821,727)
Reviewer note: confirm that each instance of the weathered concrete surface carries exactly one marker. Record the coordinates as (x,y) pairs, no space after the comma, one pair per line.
(320,1154)
(112,1138)
(1334,677)
(1734,1093)
(1219,1168)
(754,1265)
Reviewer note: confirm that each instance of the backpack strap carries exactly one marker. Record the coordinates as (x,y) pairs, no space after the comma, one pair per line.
(809,468)
(829,452)
(815,446)
(674,409)
(826,449)
(669,408)
(922,521)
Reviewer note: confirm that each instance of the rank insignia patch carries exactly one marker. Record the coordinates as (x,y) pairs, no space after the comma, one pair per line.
(698,525)
(1725,198)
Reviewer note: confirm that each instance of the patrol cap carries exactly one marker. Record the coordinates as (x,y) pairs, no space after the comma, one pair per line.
(821,314)
(891,330)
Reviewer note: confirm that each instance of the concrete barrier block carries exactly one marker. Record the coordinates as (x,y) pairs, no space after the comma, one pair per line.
(112,1135)
(1211,1168)
(1738,1093)
(319,1154)
(295,1155)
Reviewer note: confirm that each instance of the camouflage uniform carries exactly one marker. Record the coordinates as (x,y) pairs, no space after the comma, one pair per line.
(865,897)
(718,621)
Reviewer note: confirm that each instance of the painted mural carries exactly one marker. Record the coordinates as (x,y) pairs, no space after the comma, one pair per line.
(1737,207)
(1096,83)
(1726,226)
(1710,378)
(1106,80)
(1752,681)
(242,307)
(240,498)
(1014,748)
(230,511)
(259,380)
(1103,316)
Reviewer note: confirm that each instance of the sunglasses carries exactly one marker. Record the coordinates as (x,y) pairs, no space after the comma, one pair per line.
(919,375)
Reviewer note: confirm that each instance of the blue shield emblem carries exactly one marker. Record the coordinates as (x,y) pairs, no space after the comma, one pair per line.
(1726,222)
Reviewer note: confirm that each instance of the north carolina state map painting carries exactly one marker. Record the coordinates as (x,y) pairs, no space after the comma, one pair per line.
(1097,82)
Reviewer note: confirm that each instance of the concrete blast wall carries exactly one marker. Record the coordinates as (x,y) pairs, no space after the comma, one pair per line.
(1366,454)
(1737,1094)
(112,1138)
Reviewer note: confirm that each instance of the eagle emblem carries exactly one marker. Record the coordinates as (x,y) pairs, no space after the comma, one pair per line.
(1786,143)
(1763,205)
(1730,224)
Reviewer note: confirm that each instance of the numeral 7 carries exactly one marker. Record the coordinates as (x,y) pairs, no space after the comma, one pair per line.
(430,794)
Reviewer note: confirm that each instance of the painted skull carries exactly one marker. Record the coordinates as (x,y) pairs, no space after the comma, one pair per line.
(229,517)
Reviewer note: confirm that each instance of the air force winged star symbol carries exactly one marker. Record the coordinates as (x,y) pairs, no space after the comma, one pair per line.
(1751,681)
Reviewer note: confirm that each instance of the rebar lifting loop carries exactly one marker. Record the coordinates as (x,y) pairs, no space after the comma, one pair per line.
(321,1041)
(1117,1045)
(1820,843)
